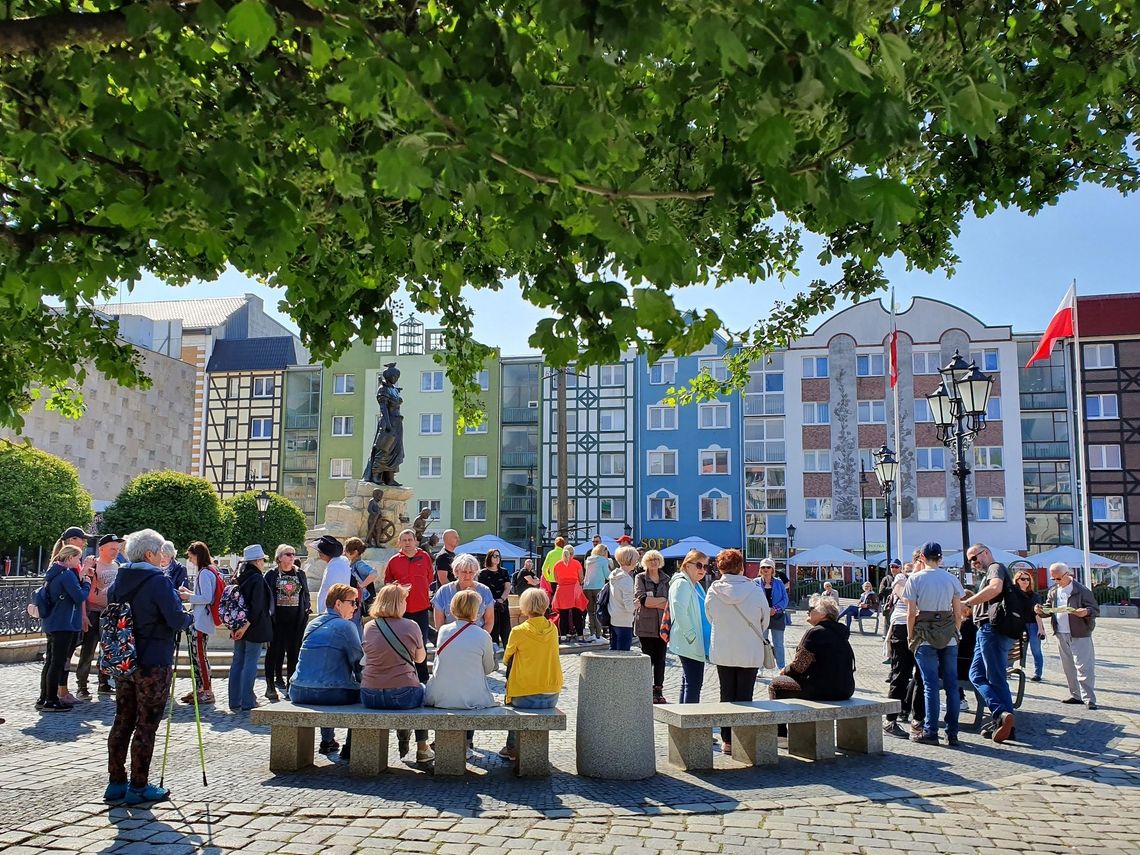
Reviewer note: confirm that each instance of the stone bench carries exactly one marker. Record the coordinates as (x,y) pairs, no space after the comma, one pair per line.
(291,734)
(815,729)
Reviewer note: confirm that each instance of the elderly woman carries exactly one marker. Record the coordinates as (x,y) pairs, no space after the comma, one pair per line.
(739,614)
(291,610)
(466,568)
(829,591)
(823,667)
(330,659)
(651,598)
(690,633)
(622,600)
(257,631)
(172,568)
(777,596)
(569,598)
(868,605)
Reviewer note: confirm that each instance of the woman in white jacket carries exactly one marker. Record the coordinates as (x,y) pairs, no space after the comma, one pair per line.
(621,598)
(738,612)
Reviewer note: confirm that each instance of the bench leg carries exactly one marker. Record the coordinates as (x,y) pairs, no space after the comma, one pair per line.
(450,752)
(692,748)
(756,746)
(369,752)
(533,752)
(862,735)
(290,748)
(814,740)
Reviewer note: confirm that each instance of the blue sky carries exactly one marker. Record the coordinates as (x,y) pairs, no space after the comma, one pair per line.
(1014,270)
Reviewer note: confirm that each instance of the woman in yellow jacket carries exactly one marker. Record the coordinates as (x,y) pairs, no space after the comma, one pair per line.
(534,671)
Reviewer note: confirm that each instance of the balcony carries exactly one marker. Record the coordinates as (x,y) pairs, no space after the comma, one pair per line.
(300,462)
(1045,450)
(302,421)
(520,415)
(519,459)
(1043,401)
(518,503)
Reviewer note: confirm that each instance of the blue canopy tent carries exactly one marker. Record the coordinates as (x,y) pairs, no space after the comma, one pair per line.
(483,545)
(608,542)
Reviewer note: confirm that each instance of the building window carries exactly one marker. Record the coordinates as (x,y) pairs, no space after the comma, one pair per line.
(869,365)
(437,340)
(431,381)
(930,459)
(714,461)
(261,428)
(1104,457)
(986,360)
(716,506)
(715,369)
(663,373)
(764,394)
(257,471)
(925,361)
(233,387)
(611,463)
(1100,356)
(993,410)
(611,509)
(479,428)
(231,427)
(815,366)
(1108,508)
(817,509)
(662,418)
(611,375)
(1102,407)
(475,466)
(571,422)
(817,461)
(922,411)
(474,510)
(483,379)
(384,344)
(931,509)
(229,471)
(344,384)
(612,419)
(431,423)
(872,412)
(571,464)
(874,508)
(988,457)
(991,509)
(764,441)
(663,506)
(662,462)
(867,460)
(432,505)
(431,467)
(817,413)
(712,416)
(343,425)
(263,387)
(571,512)
(340,468)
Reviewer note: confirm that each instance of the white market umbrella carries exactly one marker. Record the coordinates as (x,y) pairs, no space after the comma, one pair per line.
(1073,557)
(681,548)
(826,556)
(483,545)
(608,542)
(1000,555)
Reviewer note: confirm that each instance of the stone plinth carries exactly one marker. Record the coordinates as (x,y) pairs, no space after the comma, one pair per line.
(615,687)
(349,517)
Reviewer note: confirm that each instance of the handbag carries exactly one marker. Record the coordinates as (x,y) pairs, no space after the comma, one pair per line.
(769,650)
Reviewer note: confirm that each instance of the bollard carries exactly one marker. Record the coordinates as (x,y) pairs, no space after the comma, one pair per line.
(614,737)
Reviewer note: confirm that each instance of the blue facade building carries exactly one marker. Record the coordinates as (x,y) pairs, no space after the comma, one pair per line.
(688,480)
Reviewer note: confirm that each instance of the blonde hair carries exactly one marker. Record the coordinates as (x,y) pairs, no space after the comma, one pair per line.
(653,555)
(626,556)
(600,549)
(391,601)
(465,605)
(67,551)
(694,555)
(567,552)
(284,547)
(533,602)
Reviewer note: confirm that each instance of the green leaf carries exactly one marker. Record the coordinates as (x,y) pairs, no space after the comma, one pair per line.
(893,52)
(655,308)
(977,106)
(250,23)
(319,52)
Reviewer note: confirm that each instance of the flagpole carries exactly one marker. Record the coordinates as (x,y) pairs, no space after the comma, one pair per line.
(1082,463)
(898,440)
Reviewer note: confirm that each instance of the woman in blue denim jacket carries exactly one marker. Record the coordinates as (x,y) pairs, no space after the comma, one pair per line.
(329,663)
(690,631)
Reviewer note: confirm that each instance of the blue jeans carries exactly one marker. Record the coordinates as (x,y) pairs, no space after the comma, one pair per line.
(406,698)
(324,697)
(621,637)
(855,612)
(692,678)
(939,667)
(988,670)
(243,674)
(776,636)
(531,702)
(1035,647)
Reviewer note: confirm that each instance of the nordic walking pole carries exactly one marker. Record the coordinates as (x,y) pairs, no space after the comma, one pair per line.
(197,715)
(170,717)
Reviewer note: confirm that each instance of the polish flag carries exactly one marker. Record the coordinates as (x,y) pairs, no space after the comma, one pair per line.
(1061,326)
(894,346)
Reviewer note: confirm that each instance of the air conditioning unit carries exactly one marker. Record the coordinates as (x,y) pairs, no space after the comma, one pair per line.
(532,405)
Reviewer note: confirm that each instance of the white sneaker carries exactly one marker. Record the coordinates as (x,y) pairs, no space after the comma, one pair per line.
(425,756)
(588,639)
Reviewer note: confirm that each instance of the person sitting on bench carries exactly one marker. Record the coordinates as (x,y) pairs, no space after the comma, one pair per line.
(868,605)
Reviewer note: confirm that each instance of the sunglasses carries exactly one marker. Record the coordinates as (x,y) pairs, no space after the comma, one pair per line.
(288,554)
(351,602)
(700,565)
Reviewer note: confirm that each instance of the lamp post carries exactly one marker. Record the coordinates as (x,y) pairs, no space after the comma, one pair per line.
(887,471)
(791,545)
(628,529)
(862,510)
(958,408)
(262,500)
(532,501)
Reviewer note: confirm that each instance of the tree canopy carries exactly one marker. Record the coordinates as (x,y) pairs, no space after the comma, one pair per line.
(42,496)
(182,508)
(284,522)
(605,153)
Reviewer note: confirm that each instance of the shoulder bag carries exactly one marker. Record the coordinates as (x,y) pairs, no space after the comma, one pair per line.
(769,651)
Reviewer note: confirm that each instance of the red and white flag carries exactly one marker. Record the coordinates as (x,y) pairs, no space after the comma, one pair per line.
(894,346)
(1061,326)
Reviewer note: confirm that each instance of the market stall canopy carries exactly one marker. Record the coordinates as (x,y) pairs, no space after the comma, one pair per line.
(1073,557)
(483,545)
(681,548)
(954,559)
(608,542)
(826,556)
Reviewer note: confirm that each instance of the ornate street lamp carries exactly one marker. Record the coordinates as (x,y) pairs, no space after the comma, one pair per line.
(262,500)
(791,529)
(887,471)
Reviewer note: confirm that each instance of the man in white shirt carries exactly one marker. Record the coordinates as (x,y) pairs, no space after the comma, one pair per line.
(1073,630)
(338,571)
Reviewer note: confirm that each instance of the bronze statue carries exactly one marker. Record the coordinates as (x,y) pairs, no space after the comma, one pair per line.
(420,525)
(380,530)
(388,446)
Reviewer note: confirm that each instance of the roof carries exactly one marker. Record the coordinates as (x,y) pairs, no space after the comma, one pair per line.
(1109,315)
(275,353)
(194,314)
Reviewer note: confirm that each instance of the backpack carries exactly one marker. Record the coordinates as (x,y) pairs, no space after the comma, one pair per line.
(219,590)
(1008,619)
(231,608)
(118,651)
(666,624)
(603,604)
(42,602)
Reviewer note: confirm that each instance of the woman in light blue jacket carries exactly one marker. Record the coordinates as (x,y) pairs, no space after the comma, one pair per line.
(689,631)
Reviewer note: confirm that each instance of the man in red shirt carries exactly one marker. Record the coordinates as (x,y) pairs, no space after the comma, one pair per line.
(412,566)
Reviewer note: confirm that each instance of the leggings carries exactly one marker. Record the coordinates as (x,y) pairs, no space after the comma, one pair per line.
(288,629)
(60,646)
(424,623)
(501,631)
(140,701)
(571,621)
(736,684)
(902,670)
(654,648)
(201,662)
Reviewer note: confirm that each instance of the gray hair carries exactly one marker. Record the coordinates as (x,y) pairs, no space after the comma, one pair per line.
(141,542)
(168,549)
(825,604)
(1060,567)
(465,561)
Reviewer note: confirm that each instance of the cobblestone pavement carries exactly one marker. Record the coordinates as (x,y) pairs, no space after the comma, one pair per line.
(1070,783)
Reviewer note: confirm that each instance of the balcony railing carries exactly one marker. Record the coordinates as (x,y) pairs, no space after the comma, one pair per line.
(1045,450)
(518,503)
(300,462)
(1043,401)
(520,459)
(520,415)
(302,421)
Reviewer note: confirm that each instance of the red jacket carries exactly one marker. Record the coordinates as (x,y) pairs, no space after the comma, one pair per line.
(416,572)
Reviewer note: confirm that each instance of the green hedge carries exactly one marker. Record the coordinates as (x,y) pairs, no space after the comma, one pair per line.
(1105,594)
(182,508)
(284,523)
(42,496)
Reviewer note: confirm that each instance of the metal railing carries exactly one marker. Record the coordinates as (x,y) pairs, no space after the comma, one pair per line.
(1045,450)
(520,459)
(520,415)
(15,594)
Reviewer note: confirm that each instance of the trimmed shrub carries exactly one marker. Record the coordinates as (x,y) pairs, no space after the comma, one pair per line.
(284,523)
(42,496)
(183,508)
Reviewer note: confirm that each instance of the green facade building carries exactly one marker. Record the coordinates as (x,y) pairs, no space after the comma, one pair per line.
(474,481)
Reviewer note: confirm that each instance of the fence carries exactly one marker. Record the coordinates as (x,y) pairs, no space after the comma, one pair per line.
(15,594)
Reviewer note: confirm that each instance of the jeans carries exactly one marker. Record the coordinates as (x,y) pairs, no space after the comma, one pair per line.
(855,612)
(692,678)
(324,697)
(776,636)
(529,702)
(243,674)
(621,637)
(1035,648)
(939,666)
(736,684)
(989,670)
(404,698)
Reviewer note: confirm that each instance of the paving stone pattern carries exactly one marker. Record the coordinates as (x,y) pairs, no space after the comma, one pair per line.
(1070,783)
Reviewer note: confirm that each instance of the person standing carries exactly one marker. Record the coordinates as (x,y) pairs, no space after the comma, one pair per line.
(596,572)
(622,601)
(172,568)
(251,637)
(690,632)
(990,666)
(337,569)
(360,576)
(1026,591)
(548,562)
(498,582)
(140,698)
(901,656)
(412,567)
(444,560)
(777,595)
(466,568)
(292,606)
(106,568)
(1073,620)
(651,598)
(208,588)
(739,614)
(569,600)
(68,584)
(934,614)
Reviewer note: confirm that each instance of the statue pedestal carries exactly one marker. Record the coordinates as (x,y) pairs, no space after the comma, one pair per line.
(349,518)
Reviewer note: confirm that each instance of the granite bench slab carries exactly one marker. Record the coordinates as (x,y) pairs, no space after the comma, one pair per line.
(815,729)
(291,734)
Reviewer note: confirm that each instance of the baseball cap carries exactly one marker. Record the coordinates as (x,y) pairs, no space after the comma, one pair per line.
(109,538)
(896,563)
(931,550)
(625,538)
(74,531)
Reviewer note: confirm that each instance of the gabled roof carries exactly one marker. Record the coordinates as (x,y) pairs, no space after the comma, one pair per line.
(275,353)
(194,314)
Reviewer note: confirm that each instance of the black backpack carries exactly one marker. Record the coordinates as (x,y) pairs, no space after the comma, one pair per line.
(604,605)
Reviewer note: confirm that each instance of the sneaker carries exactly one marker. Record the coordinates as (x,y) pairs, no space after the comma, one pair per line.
(425,755)
(149,793)
(329,747)
(39,705)
(281,684)
(924,738)
(272,696)
(1004,729)
(1072,701)
(55,706)
(105,689)
(1092,705)
(659,699)
(498,648)
(115,793)
(891,728)
(188,698)
(71,700)
(507,754)
(1036,678)
(84,694)
(205,698)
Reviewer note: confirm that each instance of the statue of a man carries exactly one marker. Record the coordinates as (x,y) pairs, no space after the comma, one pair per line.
(388,446)
(420,525)
(374,518)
